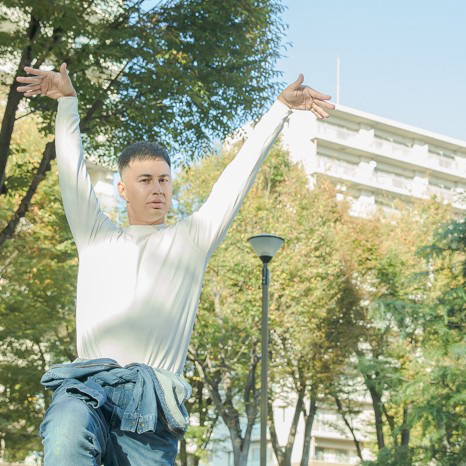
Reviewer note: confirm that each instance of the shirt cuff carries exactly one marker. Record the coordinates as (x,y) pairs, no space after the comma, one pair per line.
(66,97)
(279,107)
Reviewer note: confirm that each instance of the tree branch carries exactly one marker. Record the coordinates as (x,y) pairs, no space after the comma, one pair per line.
(44,167)
(348,424)
(14,97)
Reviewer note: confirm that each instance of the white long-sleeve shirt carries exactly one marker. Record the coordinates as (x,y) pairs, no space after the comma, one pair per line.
(139,287)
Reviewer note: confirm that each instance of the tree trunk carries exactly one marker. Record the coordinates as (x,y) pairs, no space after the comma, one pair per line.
(378,411)
(240,445)
(405,431)
(230,415)
(183,456)
(44,167)
(350,427)
(14,97)
(308,421)
(284,454)
(391,423)
(278,450)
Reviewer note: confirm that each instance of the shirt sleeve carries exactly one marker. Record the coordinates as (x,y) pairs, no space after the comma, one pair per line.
(207,226)
(81,205)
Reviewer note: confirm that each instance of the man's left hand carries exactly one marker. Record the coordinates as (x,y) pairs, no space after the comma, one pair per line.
(302,97)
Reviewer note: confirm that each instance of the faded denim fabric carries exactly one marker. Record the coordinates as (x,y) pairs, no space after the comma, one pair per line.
(101,411)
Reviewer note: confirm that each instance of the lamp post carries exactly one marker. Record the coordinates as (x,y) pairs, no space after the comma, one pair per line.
(265,247)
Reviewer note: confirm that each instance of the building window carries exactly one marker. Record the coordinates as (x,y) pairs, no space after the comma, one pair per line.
(333,455)
(255,454)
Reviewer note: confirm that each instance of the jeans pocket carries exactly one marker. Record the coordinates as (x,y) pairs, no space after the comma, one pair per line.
(120,397)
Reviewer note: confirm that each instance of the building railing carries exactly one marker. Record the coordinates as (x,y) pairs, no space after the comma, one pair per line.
(344,169)
(337,132)
(337,168)
(391,179)
(391,149)
(383,180)
(443,162)
(442,193)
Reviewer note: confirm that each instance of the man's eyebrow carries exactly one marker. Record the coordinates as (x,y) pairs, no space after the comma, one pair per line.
(148,175)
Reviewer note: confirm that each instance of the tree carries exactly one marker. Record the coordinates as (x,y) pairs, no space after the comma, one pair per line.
(389,346)
(436,313)
(309,297)
(181,72)
(203,421)
(38,273)
(314,313)
(224,347)
(348,298)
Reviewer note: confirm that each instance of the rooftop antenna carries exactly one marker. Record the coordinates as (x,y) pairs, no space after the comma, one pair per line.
(338,79)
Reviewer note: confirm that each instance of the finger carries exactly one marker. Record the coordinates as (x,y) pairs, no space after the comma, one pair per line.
(29,94)
(316,94)
(295,86)
(323,104)
(31,87)
(322,113)
(36,71)
(26,79)
(316,114)
(64,70)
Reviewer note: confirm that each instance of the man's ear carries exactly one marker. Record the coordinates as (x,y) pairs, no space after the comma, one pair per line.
(122,190)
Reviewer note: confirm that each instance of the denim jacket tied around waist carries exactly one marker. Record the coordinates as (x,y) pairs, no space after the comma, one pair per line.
(84,378)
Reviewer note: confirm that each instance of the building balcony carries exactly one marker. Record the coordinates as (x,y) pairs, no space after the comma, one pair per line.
(380,181)
(391,152)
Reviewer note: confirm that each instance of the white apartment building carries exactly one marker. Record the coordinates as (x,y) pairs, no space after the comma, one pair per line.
(331,443)
(374,161)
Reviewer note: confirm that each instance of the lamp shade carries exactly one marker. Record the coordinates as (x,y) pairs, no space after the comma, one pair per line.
(266,246)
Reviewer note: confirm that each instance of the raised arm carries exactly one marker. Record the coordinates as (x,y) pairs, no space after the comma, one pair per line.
(79,200)
(208,226)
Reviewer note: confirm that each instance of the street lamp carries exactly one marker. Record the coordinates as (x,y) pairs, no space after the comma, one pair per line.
(266,247)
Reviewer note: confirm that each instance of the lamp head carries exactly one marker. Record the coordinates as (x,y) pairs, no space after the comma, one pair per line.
(266,246)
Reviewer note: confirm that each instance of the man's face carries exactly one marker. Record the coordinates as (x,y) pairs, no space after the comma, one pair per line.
(146,186)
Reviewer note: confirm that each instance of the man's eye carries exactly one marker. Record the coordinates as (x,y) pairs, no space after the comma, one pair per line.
(145,180)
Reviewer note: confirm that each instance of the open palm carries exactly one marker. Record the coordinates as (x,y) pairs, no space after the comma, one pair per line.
(305,98)
(48,83)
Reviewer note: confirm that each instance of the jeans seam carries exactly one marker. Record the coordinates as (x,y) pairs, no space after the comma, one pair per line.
(116,399)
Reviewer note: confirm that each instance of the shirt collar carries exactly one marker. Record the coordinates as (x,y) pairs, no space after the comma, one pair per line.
(144,229)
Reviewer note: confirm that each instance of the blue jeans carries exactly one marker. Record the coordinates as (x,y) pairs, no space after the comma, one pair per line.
(85,423)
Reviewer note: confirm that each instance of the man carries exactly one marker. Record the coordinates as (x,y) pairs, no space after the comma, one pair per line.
(122,401)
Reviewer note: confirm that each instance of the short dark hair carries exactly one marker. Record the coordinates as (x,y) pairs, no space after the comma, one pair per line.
(142,150)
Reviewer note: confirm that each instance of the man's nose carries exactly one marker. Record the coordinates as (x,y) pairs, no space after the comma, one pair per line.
(157,187)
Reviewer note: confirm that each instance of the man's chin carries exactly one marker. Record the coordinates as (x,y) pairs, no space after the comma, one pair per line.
(156,219)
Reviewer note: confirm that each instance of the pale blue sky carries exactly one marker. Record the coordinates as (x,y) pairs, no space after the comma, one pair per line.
(404,60)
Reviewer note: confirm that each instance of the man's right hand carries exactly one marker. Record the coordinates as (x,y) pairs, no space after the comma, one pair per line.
(48,83)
